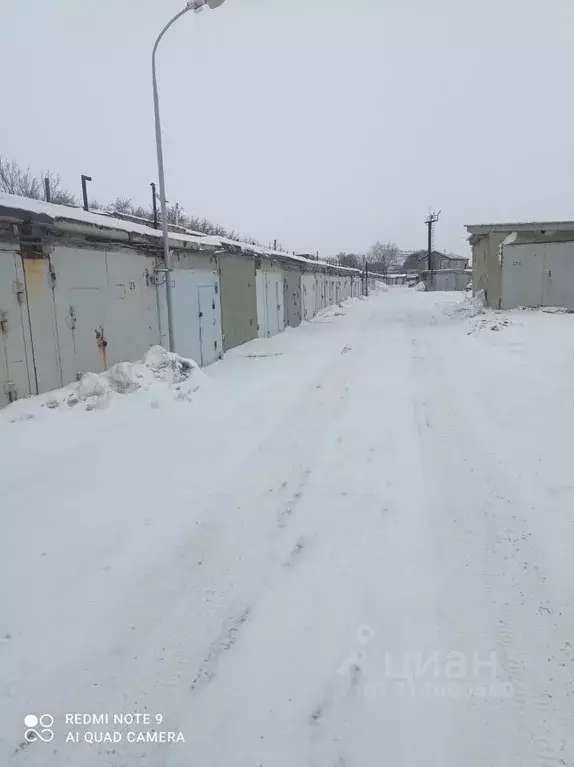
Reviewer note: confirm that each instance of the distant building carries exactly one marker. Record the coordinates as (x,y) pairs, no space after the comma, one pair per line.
(449,271)
(441,261)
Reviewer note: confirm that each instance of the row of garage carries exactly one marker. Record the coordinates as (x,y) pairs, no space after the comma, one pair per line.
(81,291)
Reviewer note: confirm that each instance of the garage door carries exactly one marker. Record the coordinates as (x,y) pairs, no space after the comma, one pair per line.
(522,275)
(558,289)
(15,379)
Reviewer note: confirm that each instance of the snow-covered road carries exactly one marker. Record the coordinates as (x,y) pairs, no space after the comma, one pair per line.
(353,548)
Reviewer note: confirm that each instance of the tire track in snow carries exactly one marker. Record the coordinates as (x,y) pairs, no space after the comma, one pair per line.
(222,644)
(532,724)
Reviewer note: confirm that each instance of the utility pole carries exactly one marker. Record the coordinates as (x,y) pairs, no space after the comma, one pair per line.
(196,6)
(430,221)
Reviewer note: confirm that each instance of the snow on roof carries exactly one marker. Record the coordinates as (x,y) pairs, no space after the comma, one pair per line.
(396,275)
(55,213)
(521,226)
(146,222)
(50,212)
(249,249)
(449,256)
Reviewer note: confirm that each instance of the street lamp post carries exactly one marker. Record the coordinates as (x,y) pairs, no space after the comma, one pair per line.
(197,6)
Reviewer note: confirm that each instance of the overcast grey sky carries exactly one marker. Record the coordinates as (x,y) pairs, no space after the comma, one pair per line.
(327,124)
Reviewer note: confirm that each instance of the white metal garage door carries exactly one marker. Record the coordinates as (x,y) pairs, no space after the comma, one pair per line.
(197,315)
(308,287)
(210,323)
(522,275)
(538,275)
(558,288)
(80,302)
(270,303)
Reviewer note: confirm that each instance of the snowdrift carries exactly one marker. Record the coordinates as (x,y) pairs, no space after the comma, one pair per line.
(469,306)
(159,372)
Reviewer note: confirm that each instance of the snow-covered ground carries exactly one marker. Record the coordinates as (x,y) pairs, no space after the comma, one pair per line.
(346,546)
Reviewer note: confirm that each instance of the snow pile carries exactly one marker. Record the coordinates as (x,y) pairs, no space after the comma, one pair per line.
(556,310)
(469,306)
(158,372)
(420,286)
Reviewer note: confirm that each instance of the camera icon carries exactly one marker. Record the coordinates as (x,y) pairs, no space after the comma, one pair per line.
(43,723)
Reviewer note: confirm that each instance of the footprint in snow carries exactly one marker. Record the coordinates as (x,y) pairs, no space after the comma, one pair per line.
(298,548)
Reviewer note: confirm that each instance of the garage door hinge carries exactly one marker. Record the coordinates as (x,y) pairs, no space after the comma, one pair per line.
(19,290)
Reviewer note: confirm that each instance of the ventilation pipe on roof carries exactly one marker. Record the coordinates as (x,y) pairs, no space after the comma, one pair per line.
(85,190)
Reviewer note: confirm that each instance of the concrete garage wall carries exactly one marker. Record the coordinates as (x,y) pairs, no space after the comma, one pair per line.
(479,260)
(293,297)
(238,300)
(486,268)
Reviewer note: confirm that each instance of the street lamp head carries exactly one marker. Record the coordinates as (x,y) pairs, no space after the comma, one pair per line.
(199,5)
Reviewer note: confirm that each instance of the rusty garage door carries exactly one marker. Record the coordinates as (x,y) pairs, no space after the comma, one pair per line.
(16,378)
(80,300)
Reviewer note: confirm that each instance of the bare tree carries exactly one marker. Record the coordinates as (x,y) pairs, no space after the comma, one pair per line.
(58,195)
(384,257)
(15,180)
(413,261)
(140,212)
(121,205)
(351,260)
